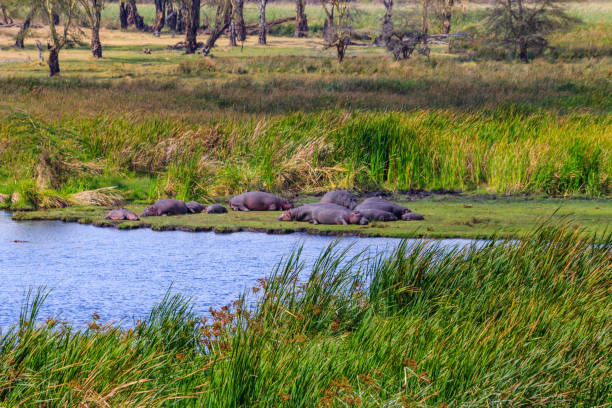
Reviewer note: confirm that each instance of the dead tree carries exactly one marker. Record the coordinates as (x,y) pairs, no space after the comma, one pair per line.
(301,21)
(93,11)
(263,40)
(223,19)
(193,23)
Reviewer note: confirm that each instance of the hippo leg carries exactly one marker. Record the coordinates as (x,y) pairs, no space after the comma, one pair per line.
(273,207)
(342,221)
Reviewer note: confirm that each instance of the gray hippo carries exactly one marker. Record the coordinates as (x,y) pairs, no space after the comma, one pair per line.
(380,204)
(195,207)
(340,197)
(121,214)
(167,206)
(324,213)
(374,214)
(259,201)
(216,209)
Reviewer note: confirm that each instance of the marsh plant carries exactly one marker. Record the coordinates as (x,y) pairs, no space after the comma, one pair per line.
(514,323)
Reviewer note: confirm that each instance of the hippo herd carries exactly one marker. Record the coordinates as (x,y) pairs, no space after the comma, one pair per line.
(336,207)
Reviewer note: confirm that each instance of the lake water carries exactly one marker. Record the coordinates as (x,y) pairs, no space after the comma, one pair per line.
(121,274)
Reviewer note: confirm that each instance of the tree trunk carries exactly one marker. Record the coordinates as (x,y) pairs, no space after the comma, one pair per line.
(53,61)
(239,24)
(123,18)
(387,24)
(301,21)
(425,23)
(222,21)
(232,34)
(340,50)
(23,31)
(133,16)
(160,16)
(193,23)
(523,51)
(262,22)
(181,20)
(171,17)
(96,46)
(5,16)
(447,13)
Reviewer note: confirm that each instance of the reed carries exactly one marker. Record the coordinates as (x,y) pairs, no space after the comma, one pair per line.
(514,323)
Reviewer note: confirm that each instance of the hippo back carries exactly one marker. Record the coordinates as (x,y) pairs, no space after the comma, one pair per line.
(340,197)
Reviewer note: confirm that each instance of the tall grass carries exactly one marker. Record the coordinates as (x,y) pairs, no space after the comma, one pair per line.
(513,323)
(505,150)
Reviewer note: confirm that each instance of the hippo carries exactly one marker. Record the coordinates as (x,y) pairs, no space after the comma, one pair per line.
(121,214)
(167,206)
(324,213)
(412,216)
(195,207)
(259,201)
(340,197)
(216,209)
(378,203)
(374,214)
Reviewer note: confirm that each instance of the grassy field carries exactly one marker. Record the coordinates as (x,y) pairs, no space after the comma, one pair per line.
(445,217)
(520,323)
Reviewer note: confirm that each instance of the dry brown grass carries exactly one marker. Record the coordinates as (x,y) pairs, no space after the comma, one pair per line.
(104,197)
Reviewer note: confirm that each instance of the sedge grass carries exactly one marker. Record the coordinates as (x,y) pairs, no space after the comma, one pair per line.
(512,323)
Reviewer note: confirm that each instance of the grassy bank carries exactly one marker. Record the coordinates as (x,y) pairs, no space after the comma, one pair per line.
(445,217)
(521,323)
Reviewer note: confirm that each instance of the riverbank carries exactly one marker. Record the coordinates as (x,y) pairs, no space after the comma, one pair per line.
(445,217)
(523,323)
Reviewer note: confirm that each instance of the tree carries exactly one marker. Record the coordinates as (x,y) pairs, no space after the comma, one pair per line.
(263,40)
(337,31)
(93,11)
(193,23)
(123,20)
(7,19)
(223,18)
(387,23)
(447,13)
(238,19)
(160,16)
(524,24)
(301,21)
(68,10)
(25,27)
(133,17)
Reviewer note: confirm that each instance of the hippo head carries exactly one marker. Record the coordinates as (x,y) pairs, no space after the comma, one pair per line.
(131,216)
(357,218)
(286,216)
(286,204)
(151,211)
(411,216)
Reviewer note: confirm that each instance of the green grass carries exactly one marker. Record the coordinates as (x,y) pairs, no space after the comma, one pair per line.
(445,217)
(517,323)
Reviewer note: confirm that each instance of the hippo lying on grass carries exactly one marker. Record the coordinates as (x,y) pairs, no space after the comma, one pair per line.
(324,213)
(380,204)
(195,207)
(340,197)
(373,214)
(121,214)
(167,206)
(216,209)
(259,201)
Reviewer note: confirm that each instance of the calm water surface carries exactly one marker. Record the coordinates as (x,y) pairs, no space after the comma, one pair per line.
(121,274)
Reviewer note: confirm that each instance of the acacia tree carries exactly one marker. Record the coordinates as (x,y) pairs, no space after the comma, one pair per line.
(93,11)
(263,39)
(301,21)
(160,16)
(338,30)
(193,23)
(69,12)
(387,23)
(238,19)
(524,24)
(25,27)
(223,18)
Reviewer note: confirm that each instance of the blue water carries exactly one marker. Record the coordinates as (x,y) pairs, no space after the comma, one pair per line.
(121,275)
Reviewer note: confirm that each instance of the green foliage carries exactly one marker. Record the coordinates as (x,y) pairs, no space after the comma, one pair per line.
(523,321)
